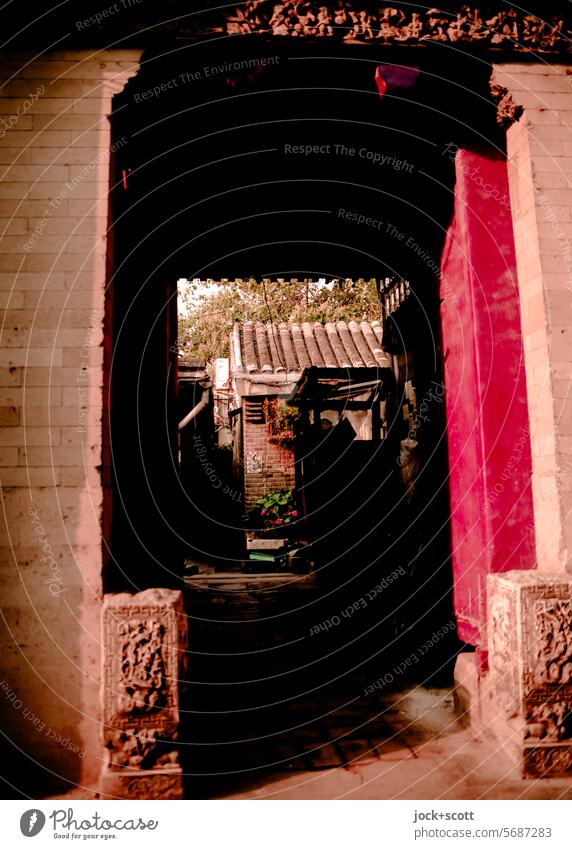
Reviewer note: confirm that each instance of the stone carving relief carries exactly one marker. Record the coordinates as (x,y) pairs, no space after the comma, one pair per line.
(500,635)
(553,642)
(530,638)
(546,761)
(143,651)
(140,749)
(145,641)
(549,721)
(165,786)
(143,682)
(458,24)
(501,660)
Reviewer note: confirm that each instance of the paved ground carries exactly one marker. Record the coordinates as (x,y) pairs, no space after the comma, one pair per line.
(412,747)
(273,712)
(418,749)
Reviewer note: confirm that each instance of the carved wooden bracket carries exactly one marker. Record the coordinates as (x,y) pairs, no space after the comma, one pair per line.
(508,112)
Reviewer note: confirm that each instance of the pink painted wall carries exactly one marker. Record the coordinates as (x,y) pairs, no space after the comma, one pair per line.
(487,417)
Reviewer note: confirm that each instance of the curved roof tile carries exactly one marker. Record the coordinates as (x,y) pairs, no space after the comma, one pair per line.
(267,348)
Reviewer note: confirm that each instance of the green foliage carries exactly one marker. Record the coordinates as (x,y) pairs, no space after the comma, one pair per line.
(205,331)
(272,511)
(281,419)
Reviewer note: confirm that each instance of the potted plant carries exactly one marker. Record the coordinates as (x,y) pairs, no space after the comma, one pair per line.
(272,515)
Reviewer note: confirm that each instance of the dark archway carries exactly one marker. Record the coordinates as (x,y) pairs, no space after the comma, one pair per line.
(259,158)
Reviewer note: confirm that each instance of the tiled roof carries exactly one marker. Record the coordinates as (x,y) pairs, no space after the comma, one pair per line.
(269,348)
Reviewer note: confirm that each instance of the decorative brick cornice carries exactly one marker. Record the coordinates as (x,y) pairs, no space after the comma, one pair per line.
(458,24)
(488,26)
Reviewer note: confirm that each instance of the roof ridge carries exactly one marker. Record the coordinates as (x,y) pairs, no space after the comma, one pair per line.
(372,322)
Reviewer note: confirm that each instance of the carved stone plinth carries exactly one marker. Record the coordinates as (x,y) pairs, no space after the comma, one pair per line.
(166,783)
(530,660)
(144,637)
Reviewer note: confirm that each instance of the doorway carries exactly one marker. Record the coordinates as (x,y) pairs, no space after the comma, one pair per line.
(254,159)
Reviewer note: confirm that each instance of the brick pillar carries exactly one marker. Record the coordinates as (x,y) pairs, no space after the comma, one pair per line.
(525,700)
(539,150)
(144,640)
(55,155)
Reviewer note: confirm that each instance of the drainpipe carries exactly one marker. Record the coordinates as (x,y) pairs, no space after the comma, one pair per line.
(197,408)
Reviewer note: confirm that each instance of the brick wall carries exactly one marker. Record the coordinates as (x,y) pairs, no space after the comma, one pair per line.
(54,160)
(267,465)
(539,150)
